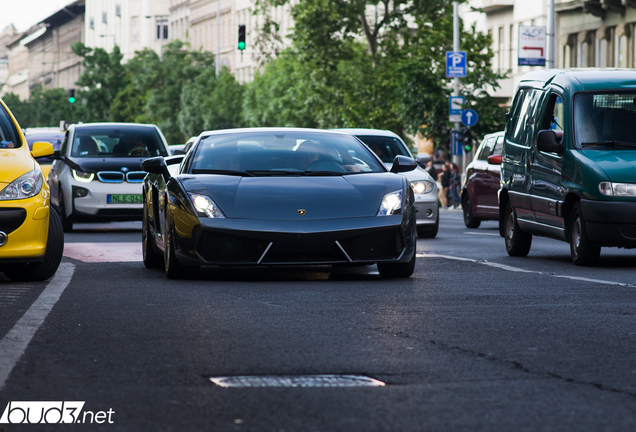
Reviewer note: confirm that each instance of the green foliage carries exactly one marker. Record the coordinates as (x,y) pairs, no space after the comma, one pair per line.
(44,108)
(378,64)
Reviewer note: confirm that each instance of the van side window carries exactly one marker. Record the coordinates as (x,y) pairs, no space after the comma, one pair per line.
(554,115)
(498,146)
(524,110)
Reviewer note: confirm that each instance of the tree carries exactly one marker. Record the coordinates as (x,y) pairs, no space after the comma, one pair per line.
(103,78)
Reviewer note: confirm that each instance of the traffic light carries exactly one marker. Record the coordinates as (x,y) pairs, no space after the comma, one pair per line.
(71,95)
(241,37)
(467,140)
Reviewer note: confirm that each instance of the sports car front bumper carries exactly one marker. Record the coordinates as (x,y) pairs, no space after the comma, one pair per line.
(285,242)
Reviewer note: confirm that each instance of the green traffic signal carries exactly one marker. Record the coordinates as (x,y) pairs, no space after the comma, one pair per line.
(71,99)
(241,46)
(241,37)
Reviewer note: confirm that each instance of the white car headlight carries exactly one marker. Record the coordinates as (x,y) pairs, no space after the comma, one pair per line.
(422,186)
(26,186)
(205,206)
(83,177)
(391,204)
(617,189)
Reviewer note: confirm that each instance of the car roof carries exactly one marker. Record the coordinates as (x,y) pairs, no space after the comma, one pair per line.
(583,78)
(364,131)
(270,129)
(110,124)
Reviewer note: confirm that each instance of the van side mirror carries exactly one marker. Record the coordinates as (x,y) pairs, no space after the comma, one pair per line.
(403,164)
(547,142)
(494,159)
(156,165)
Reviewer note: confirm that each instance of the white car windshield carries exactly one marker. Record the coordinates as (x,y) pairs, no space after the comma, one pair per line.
(99,142)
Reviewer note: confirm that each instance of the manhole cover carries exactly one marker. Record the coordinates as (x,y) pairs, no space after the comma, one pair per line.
(297,381)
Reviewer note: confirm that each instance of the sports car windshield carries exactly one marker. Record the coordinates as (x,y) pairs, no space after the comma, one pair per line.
(283,153)
(601,120)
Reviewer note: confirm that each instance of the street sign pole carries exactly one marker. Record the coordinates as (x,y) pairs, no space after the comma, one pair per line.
(456,158)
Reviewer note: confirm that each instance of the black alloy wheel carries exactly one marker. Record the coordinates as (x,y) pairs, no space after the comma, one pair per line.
(67,224)
(397,270)
(583,252)
(151,258)
(469,218)
(517,242)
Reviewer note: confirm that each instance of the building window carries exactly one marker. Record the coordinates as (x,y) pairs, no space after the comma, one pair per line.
(134,29)
(118,10)
(91,23)
(511,49)
(162,29)
(105,17)
(500,43)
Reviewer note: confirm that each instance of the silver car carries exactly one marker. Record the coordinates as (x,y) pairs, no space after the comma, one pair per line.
(96,175)
(387,145)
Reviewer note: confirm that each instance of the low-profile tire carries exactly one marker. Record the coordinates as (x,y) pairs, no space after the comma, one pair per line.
(517,242)
(583,252)
(428,231)
(42,270)
(152,259)
(174,269)
(469,218)
(397,270)
(67,224)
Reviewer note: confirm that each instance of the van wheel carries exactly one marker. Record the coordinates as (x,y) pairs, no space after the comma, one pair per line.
(469,218)
(583,252)
(42,270)
(517,242)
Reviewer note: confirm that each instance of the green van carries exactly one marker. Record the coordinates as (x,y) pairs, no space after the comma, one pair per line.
(569,162)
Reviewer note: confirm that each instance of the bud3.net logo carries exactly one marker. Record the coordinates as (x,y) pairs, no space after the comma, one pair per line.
(53,412)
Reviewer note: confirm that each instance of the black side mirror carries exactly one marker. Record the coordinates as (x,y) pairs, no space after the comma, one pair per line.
(56,155)
(547,142)
(403,164)
(156,165)
(423,159)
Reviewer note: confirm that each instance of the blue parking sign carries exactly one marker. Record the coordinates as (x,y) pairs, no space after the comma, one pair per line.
(455,64)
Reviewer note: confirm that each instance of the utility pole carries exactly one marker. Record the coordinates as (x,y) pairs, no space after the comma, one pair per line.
(217,61)
(551,35)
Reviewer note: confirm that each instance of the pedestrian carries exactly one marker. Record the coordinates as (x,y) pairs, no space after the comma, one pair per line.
(455,184)
(445,181)
(431,170)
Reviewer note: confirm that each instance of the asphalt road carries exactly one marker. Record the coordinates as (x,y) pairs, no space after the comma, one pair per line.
(474,341)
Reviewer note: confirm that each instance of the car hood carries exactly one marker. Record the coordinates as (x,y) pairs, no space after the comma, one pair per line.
(619,165)
(106,164)
(414,175)
(281,198)
(14,163)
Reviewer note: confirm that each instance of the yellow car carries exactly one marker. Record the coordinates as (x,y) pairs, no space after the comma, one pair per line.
(31,236)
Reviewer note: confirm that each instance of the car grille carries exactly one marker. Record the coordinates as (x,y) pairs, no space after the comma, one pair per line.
(119,177)
(218,247)
(11,219)
(223,248)
(384,244)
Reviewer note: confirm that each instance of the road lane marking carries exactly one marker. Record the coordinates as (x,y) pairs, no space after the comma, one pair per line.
(481,233)
(104,252)
(520,270)
(15,342)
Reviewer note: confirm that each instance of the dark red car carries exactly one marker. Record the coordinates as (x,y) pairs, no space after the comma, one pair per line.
(479,194)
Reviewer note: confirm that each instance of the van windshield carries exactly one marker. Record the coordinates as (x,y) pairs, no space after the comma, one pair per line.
(601,120)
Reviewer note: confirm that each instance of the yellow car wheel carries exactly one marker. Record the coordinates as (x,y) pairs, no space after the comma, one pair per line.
(42,270)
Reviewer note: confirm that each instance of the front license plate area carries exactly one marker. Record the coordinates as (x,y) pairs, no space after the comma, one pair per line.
(124,199)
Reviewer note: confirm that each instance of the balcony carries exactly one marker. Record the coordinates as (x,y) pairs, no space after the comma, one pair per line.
(490,6)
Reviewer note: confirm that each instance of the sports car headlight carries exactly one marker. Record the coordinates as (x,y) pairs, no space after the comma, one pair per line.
(25,186)
(205,206)
(422,186)
(391,204)
(617,189)
(82,176)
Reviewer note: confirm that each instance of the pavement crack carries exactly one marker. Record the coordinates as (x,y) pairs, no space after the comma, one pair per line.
(519,366)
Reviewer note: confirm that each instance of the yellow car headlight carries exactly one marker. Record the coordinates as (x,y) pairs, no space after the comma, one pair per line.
(25,186)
